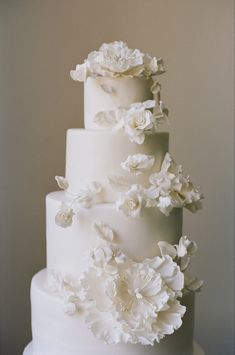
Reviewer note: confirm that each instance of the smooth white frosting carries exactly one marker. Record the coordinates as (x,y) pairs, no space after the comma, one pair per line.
(125,91)
(56,333)
(95,155)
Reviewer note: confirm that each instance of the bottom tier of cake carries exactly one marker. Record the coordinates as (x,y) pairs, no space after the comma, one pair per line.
(57,333)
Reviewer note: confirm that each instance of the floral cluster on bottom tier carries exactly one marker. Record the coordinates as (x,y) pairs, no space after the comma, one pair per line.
(126,301)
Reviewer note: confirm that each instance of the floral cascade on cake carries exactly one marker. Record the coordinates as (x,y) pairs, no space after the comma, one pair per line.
(117,264)
(137,302)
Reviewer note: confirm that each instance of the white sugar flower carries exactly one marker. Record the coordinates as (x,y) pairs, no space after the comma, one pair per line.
(192,284)
(62,182)
(153,65)
(107,257)
(170,272)
(151,195)
(172,188)
(107,326)
(70,291)
(115,59)
(161,113)
(164,204)
(139,293)
(191,195)
(156,88)
(186,247)
(137,123)
(103,230)
(70,308)
(167,179)
(167,249)
(134,304)
(125,301)
(138,163)
(80,73)
(168,320)
(136,120)
(131,202)
(86,197)
(102,255)
(64,217)
(182,253)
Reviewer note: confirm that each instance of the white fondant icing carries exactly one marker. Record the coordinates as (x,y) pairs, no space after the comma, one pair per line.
(95,155)
(136,237)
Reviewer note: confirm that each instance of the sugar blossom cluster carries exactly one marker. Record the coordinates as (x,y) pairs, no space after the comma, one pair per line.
(85,198)
(136,120)
(124,301)
(115,59)
(168,189)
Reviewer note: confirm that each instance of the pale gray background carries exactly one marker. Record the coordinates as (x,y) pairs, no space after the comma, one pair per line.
(40,41)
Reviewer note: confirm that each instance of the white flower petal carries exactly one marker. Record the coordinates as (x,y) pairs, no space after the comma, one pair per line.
(107,88)
(131,202)
(70,308)
(64,217)
(138,163)
(165,205)
(155,88)
(62,182)
(186,246)
(184,262)
(167,249)
(193,283)
(174,189)
(80,73)
(104,231)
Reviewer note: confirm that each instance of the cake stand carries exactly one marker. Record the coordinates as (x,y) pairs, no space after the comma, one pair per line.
(197,350)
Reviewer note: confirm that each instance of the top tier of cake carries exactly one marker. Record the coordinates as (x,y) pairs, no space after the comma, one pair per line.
(115,77)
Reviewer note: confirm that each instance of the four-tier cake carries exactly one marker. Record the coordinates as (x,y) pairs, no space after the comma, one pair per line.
(117,279)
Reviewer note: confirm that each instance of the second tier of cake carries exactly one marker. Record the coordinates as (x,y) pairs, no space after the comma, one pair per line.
(97,155)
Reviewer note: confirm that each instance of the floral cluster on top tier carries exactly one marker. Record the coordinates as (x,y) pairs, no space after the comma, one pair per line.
(126,301)
(136,120)
(168,189)
(117,60)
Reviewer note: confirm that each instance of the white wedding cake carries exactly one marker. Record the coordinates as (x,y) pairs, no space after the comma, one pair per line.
(117,279)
